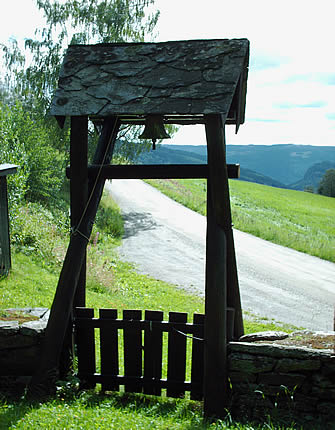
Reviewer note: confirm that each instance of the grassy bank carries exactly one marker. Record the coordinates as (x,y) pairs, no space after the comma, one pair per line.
(111,283)
(299,220)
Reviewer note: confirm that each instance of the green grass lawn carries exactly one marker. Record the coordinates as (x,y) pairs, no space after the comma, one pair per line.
(299,220)
(116,286)
(111,283)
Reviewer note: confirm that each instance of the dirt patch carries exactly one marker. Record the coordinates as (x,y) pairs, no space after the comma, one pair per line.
(317,340)
(15,315)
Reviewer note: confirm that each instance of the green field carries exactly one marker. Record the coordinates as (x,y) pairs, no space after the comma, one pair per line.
(296,219)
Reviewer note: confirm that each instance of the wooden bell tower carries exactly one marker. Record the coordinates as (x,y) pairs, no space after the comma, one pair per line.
(185,82)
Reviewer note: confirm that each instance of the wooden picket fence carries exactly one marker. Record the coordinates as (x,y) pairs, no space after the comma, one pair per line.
(138,351)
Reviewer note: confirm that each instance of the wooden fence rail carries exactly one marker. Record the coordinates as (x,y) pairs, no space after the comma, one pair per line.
(143,345)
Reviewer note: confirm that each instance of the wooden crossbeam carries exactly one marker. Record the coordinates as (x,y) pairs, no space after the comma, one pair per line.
(156,171)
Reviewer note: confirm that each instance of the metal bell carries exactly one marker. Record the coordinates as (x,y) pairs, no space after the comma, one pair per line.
(154,129)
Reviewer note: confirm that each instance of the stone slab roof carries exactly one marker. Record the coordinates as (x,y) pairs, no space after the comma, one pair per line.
(189,77)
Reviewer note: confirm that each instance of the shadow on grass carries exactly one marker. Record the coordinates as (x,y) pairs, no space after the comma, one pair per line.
(179,410)
(12,410)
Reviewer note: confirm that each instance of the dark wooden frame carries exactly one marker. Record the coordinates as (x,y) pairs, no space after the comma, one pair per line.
(5,257)
(222,290)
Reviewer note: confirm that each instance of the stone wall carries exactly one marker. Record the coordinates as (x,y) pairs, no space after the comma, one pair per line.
(268,378)
(20,347)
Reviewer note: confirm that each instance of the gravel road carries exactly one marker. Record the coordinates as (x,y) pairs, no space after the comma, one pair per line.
(167,241)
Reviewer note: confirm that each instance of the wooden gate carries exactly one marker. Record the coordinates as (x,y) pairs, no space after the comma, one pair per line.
(138,352)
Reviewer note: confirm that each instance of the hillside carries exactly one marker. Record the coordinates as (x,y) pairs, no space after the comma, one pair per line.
(166,155)
(313,176)
(276,165)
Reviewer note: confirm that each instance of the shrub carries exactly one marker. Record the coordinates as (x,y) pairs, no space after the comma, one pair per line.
(24,141)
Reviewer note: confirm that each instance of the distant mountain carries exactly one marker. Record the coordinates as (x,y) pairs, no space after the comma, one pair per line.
(284,163)
(313,176)
(251,176)
(166,155)
(281,166)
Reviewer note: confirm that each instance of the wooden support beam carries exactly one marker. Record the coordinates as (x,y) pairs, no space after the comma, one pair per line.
(79,189)
(152,171)
(221,275)
(78,200)
(220,187)
(43,381)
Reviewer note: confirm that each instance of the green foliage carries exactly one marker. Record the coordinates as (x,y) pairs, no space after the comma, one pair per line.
(25,141)
(39,233)
(327,184)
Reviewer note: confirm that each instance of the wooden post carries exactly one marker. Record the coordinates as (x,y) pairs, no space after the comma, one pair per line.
(5,252)
(221,275)
(220,196)
(43,381)
(78,200)
(79,189)
(215,354)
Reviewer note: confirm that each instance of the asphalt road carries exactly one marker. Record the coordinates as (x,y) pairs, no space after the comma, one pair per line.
(167,241)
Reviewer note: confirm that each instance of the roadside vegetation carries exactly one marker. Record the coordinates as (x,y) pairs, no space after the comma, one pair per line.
(301,221)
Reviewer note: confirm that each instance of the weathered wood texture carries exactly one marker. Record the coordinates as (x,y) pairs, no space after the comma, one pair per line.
(221,276)
(143,358)
(79,188)
(178,77)
(220,198)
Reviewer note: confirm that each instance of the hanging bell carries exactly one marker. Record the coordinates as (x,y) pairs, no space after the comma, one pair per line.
(154,129)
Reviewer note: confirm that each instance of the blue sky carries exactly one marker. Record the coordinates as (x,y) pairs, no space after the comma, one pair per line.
(291,85)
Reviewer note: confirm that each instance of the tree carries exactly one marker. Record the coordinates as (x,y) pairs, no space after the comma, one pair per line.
(73,21)
(25,141)
(327,184)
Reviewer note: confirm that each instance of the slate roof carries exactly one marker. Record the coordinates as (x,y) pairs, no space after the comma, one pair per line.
(189,77)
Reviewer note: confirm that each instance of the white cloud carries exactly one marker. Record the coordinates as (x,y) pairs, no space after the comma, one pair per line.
(291,63)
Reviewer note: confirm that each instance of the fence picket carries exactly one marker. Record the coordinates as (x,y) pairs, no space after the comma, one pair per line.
(132,338)
(85,347)
(153,344)
(109,349)
(197,371)
(176,356)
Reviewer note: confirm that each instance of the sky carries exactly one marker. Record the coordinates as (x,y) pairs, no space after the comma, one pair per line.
(291,83)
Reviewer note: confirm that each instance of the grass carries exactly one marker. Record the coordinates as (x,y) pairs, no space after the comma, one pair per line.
(295,219)
(117,411)
(111,283)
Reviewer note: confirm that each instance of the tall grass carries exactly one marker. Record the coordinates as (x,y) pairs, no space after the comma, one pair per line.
(299,220)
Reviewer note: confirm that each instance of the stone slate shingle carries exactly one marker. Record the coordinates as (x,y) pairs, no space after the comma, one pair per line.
(182,77)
